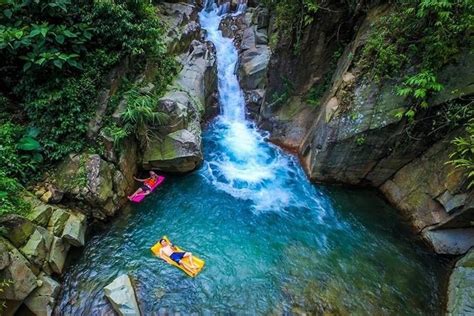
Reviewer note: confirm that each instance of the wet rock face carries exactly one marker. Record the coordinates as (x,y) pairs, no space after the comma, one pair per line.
(187,102)
(461,287)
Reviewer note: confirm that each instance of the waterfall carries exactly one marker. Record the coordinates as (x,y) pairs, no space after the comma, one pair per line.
(244,165)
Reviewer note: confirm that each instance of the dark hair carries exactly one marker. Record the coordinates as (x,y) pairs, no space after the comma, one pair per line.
(161,240)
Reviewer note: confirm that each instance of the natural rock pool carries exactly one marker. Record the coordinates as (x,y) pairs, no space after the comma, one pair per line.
(273,242)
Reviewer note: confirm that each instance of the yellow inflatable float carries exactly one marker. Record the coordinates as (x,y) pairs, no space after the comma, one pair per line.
(197,261)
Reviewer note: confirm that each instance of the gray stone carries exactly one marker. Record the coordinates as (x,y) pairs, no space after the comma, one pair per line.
(4,257)
(58,221)
(20,273)
(16,229)
(42,300)
(253,67)
(58,254)
(37,248)
(248,39)
(74,229)
(179,148)
(121,295)
(450,202)
(450,241)
(41,214)
(461,287)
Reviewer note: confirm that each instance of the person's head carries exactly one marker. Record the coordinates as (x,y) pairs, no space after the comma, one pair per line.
(163,242)
(153,174)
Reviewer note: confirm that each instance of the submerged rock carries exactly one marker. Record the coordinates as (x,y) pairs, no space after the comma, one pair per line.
(461,287)
(121,295)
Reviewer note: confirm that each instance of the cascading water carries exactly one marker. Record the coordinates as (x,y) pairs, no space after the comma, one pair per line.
(246,166)
(273,243)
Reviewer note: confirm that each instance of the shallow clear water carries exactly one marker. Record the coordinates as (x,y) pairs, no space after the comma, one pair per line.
(273,242)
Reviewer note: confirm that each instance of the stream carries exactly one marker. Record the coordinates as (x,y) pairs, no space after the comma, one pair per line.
(273,242)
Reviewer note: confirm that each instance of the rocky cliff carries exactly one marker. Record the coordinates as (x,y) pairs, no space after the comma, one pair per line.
(93,186)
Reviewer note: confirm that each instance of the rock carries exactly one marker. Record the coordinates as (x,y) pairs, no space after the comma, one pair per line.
(74,229)
(46,196)
(450,202)
(254,100)
(88,178)
(58,221)
(58,254)
(461,287)
(261,37)
(37,248)
(450,241)
(16,229)
(181,26)
(253,67)
(248,39)
(42,300)
(19,271)
(180,151)
(4,257)
(422,194)
(121,295)
(41,215)
(179,148)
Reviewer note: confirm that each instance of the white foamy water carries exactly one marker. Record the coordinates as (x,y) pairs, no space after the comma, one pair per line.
(243,163)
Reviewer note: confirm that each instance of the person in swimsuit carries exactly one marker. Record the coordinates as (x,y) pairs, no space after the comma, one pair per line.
(145,188)
(168,250)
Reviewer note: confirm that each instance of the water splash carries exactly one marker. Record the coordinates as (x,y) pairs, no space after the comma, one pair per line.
(243,163)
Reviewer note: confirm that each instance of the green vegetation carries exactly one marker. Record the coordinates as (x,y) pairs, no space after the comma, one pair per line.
(292,17)
(56,55)
(463,157)
(415,41)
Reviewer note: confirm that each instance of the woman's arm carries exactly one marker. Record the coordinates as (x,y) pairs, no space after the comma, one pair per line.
(141,180)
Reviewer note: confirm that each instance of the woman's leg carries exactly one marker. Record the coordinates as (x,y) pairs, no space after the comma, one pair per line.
(137,192)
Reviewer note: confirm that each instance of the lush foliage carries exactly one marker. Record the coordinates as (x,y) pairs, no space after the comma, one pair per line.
(463,157)
(420,36)
(293,16)
(56,55)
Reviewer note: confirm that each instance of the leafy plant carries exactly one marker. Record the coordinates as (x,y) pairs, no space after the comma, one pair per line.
(463,157)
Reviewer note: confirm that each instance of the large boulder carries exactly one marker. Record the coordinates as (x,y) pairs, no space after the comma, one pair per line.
(16,229)
(121,295)
(74,229)
(57,221)
(89,178)
(58,254)
(181,25)
(36,250)
(42,300)
(417,191)
(179,147)
(20,272)
(253,67)
(461,287)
